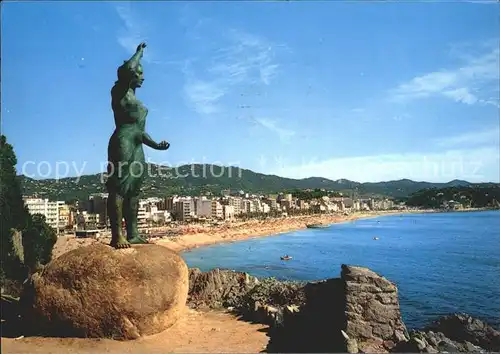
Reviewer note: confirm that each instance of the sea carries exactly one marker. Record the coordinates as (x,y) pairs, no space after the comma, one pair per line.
(442,263)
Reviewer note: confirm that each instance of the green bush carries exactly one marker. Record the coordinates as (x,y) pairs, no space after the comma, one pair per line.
(38,241)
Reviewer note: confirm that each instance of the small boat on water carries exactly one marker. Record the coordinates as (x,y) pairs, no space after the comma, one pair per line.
(285,258)
(316,226)
(375,238)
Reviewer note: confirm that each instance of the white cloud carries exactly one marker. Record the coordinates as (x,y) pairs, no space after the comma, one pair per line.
(472,156)
(133,31)
(241,59)
(487,137)
(482,2)
(246,59)
(467,84)
(474,165)
(283,133)
(204,96)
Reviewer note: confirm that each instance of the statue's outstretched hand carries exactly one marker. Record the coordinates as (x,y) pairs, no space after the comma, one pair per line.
(163,145)
(141,46)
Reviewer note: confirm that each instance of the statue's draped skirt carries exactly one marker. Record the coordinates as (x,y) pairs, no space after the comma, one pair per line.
(126,161)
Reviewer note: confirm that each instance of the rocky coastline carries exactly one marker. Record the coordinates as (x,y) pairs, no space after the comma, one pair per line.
(358,312)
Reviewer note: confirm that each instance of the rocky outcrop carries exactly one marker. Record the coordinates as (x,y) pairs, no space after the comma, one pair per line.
(372,309)
(463,328)
(453,333)
(358,312)
(97,291)
(432,342)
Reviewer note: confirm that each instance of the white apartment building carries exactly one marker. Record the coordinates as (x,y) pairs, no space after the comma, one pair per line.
(161,216)
(248,206)
(236,204)
(203,207)
(47,208)
(92,219)
(184,209)
(228,212)
(257,205)
(151,208)
(217,210)
(142,215)
(151,200)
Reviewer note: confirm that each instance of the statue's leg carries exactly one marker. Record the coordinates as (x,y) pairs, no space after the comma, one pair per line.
(131,209)
(115,204)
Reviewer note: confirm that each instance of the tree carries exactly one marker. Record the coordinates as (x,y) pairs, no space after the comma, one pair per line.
(38,240)
(37,237)
(13,213)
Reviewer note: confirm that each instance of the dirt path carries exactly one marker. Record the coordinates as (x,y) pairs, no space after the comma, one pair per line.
(196,332)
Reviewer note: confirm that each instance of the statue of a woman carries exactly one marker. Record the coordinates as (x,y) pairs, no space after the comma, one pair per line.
(126,162)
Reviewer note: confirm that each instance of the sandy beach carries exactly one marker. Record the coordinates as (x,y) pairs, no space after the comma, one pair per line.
(202,236)
(184,237)
(192,236)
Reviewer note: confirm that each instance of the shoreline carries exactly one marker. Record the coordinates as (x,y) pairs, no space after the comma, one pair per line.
(241,231)
(183,238)
(246,230)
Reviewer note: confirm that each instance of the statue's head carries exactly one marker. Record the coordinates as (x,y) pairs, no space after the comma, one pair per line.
(132,76)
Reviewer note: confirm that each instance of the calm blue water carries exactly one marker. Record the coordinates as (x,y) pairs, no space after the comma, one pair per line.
(442,263)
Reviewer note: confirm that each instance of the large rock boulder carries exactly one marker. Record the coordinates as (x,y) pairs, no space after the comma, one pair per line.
(97,291)
(372,310)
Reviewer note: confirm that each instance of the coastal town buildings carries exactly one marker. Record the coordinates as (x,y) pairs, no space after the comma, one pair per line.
(92,213)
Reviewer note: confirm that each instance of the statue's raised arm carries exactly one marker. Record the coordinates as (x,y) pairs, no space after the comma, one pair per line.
(135,60)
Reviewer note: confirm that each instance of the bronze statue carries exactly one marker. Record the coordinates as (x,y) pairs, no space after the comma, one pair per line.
(126,162)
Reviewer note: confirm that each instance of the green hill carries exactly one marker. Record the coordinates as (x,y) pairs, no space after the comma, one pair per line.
(195,179)
(476,196)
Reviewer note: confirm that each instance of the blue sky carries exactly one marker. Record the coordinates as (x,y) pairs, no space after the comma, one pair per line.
(364,91)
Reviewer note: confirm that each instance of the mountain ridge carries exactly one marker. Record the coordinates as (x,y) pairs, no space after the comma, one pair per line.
(192,179)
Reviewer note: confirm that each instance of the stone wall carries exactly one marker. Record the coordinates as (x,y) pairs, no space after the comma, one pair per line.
(372,311)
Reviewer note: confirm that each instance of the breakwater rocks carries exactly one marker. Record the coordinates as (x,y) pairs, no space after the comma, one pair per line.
(358,312)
